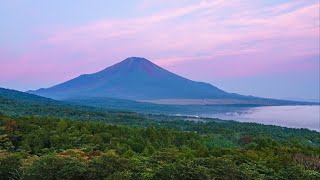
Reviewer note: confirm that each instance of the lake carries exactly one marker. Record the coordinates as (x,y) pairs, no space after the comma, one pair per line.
(288,116)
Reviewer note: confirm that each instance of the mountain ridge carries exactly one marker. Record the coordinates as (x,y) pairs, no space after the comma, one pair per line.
(134,78)
(139,79)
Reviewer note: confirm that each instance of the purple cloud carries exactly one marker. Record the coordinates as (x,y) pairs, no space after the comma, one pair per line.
(218,38)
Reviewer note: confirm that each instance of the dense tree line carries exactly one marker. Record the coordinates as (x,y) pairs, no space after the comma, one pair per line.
(54,148)
(42,138)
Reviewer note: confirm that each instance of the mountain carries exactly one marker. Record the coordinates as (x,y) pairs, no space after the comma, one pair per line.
(139,79)
(136,79)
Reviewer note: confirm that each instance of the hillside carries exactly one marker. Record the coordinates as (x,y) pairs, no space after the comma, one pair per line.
(64,141)
(16,104)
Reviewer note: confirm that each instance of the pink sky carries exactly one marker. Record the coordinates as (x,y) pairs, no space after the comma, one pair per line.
(202,40)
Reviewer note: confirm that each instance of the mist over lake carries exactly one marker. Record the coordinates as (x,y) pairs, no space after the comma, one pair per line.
(288,116)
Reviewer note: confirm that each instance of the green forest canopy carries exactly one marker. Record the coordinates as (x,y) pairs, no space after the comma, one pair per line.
(66,141)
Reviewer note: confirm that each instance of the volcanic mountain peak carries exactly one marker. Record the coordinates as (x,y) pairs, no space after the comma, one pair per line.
(134,78)
(137,69)
(135,63)
(136,60)
(137,78)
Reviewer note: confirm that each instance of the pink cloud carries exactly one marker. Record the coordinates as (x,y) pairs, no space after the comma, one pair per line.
(246,41)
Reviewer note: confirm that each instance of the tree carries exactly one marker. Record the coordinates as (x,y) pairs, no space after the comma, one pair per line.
(9,166)
(55,167)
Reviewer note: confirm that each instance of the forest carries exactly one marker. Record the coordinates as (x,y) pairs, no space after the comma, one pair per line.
(53,148)
(46,139)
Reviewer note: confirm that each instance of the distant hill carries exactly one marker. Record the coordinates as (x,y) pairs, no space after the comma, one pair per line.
(168,109)
(118,111)
(15,103)
(139,79)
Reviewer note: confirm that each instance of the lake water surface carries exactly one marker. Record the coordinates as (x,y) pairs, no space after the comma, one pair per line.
(288,116)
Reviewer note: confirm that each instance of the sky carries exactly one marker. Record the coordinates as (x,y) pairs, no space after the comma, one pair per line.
(267,48)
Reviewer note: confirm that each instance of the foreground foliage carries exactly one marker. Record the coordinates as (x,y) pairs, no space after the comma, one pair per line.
(49,148)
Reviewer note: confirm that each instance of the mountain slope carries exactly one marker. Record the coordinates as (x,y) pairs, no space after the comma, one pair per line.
(16,103)
(135,79)
(139,79)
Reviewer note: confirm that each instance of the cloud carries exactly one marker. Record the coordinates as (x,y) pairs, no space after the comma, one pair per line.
(214,34)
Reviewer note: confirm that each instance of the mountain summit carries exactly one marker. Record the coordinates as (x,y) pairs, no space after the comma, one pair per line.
(134,78)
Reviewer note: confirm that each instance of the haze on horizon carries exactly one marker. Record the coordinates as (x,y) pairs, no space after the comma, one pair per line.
(262,48)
